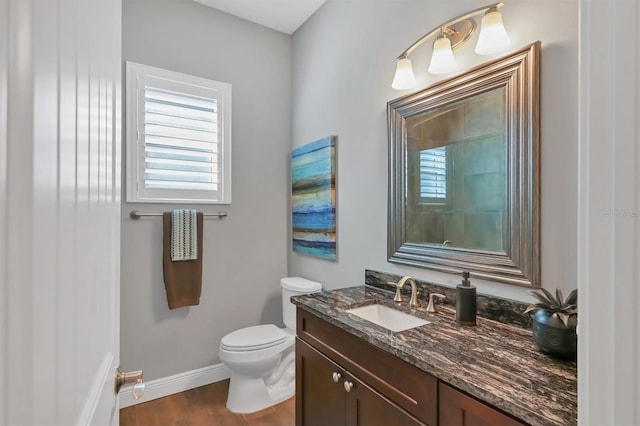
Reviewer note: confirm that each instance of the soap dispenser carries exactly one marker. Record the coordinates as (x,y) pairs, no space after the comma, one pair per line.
(466,301)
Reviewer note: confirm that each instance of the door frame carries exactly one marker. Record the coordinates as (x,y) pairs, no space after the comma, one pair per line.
(608,213)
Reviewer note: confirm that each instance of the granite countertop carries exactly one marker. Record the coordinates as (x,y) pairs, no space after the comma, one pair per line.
(495,362)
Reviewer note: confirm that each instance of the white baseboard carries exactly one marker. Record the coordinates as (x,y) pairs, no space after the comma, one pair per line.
(165,386)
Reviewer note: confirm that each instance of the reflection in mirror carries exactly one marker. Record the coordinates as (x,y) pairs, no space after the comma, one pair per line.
(456,174)
(464,173)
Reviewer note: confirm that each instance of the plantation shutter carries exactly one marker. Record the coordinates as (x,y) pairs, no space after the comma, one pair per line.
(180,140)
(433,173)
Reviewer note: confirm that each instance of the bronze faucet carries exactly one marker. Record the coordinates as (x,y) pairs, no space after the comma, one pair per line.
(413,302)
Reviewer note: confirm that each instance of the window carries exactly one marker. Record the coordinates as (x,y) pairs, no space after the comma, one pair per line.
(433,174)
(178,137)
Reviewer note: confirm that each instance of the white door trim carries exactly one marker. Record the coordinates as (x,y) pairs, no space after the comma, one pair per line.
(4,64)
(609,213)
(105,375)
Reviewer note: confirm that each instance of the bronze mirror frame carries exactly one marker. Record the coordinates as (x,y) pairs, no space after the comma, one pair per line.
(519,264)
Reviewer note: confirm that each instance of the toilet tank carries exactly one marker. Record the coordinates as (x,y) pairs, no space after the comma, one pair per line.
(293,286)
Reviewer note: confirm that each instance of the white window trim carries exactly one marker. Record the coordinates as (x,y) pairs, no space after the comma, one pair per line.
(137,73)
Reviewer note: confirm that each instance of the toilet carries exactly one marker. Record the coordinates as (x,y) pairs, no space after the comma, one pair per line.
(262,358)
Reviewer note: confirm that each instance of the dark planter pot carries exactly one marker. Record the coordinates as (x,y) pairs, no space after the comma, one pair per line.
(553,337)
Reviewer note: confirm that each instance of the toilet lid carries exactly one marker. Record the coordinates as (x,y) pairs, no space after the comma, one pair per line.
(300,285)
(254,338)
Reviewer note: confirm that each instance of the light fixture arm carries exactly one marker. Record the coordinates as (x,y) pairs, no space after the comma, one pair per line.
(454,21)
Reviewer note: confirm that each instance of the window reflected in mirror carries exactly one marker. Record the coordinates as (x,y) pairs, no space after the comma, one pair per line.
(456,174)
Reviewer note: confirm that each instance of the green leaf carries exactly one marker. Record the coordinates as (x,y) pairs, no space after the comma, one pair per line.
(572,299)
(530,308)
(552,299)
(538,306)
(559,296)
(540,297)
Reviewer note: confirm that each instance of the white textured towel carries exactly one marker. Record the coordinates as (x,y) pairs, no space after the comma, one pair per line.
(184,235)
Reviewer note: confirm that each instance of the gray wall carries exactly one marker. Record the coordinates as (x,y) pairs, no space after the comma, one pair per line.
(244,254)
(343,64)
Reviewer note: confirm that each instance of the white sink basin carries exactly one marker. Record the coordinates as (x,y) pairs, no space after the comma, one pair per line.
(389,318)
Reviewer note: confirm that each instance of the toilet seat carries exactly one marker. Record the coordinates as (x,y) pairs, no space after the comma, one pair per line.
(254,338)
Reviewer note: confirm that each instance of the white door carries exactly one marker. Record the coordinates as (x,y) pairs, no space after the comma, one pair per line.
(60,135)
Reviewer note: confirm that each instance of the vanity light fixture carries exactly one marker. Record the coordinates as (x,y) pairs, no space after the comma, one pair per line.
(451,35)
(442,60)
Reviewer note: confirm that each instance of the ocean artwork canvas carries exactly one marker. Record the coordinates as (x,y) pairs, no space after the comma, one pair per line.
(313,198)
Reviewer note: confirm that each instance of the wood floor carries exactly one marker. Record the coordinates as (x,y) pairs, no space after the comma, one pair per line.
(204,406)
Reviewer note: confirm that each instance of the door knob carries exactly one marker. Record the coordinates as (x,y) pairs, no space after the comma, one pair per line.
(348,385)
(128,378)
(336,377)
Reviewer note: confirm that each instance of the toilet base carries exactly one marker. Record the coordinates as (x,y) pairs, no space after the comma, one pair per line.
(251,394)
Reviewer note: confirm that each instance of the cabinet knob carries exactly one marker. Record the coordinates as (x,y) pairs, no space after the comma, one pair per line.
(348,385)
(336,377)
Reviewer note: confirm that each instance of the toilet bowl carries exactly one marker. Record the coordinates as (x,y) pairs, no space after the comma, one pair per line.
(262,358)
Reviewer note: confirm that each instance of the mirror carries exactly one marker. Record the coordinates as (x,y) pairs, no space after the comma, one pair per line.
(464,173)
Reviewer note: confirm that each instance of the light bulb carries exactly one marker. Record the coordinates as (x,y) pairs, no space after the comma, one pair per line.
(404,78)
(493,37)
(442,60)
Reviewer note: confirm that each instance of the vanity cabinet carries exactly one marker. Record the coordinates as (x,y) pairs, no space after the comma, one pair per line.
(329,395)
(370,386)
(342,379)
(458,409)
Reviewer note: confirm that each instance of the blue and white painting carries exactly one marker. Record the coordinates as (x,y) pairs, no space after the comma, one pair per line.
(313,198)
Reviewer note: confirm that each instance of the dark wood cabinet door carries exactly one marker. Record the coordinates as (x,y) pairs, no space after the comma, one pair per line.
(366,407)
(458,409)
(320,401)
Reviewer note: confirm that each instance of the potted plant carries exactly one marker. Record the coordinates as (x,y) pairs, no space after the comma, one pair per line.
(554,322)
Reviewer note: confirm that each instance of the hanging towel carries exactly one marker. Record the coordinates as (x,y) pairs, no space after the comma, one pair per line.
(184,235)
(182,279)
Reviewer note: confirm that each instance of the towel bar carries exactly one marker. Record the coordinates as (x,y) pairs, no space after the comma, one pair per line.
(135,214)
